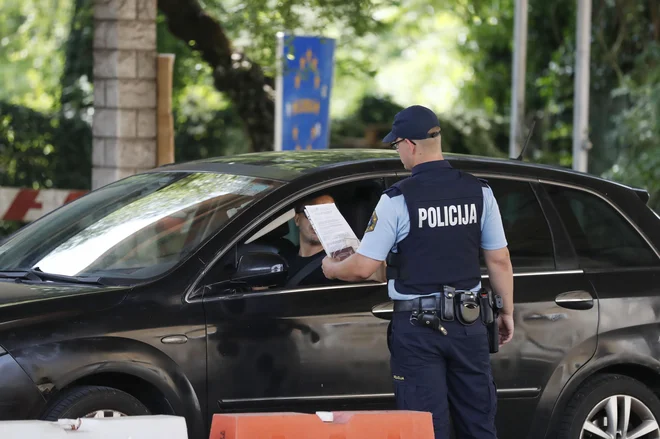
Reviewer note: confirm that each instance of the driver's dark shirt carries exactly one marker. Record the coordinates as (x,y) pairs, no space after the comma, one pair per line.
(316,277)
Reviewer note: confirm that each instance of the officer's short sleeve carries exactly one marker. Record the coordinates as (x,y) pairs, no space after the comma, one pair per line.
(492,230)
(381,233)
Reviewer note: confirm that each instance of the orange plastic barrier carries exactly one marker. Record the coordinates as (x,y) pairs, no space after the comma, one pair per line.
(397,424)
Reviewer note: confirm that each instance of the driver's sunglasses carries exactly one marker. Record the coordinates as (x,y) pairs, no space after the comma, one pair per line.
(394,145)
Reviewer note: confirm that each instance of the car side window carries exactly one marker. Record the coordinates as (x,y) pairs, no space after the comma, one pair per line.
(525,226)
(602,238)
(282,235)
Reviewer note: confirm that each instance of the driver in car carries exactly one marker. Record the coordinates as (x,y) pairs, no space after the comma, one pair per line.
(305,264)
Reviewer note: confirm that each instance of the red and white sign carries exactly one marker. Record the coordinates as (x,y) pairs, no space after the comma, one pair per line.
(18,204)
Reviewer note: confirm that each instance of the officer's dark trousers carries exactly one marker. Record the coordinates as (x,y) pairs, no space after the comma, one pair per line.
(445,375)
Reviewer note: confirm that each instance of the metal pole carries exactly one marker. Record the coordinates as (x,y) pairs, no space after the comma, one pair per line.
(518,80)
(279,93)
(581,143)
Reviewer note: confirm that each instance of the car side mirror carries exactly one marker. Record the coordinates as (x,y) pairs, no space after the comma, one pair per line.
(262,269)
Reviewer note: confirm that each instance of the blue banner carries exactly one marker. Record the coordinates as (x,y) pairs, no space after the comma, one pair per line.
(303,92)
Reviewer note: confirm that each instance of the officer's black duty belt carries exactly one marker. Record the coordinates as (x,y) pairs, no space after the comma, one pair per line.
(431,303)
(464,306)
(443,302)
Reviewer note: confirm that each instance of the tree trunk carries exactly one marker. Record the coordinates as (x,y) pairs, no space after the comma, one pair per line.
(234,74)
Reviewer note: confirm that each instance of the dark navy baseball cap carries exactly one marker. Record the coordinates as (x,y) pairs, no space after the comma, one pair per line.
(412,123)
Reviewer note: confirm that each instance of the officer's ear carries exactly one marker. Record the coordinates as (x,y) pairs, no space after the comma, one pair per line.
(412,145)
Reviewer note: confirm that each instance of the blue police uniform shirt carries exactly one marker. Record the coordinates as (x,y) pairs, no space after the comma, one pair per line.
(393,224)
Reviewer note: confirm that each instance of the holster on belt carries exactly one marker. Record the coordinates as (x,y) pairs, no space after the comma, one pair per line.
(491,304)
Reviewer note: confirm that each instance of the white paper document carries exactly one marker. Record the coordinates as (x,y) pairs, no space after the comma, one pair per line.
(336,236)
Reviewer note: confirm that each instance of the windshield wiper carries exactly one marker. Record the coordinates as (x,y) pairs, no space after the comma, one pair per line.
(37,275)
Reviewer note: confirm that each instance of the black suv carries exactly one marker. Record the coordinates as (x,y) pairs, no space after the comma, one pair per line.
(167,292)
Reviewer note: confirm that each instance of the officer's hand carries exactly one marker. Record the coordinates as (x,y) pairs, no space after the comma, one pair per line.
(327,265)
(505,325)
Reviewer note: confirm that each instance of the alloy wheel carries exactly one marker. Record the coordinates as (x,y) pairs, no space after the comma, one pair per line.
(620,417)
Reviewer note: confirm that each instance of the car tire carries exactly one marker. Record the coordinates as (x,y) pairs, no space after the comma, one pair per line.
(88,401)
(590,404)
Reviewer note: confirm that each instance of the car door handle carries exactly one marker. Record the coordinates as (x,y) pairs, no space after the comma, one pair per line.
(383,310)
(575,300)
(552,317)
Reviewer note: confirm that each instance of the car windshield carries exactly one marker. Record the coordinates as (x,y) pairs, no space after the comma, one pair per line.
(135,228)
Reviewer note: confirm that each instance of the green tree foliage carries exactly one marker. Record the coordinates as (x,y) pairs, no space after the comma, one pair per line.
(36,152)
(205,121)
(625,70)
(77,95)
(45,95)
(44,146)
(246,75)
(463,132)
(635,134)
(31,35)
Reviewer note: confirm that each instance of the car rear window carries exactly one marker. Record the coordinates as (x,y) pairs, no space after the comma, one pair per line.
(602,237)
(526,228)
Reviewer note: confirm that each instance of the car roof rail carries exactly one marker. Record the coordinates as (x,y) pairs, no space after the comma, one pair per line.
(643,194)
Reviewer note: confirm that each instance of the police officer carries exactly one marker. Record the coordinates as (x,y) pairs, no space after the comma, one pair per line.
(429,227)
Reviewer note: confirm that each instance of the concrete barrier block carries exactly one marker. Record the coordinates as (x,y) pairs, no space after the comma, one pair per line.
(135,427)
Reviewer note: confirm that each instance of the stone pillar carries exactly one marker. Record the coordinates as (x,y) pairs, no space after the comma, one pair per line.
(124,125)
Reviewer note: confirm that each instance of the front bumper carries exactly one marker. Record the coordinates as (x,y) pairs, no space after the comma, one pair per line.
(19,396)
